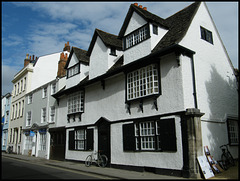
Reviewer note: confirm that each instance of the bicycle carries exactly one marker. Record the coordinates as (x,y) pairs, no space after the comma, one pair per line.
(227,158)
(100,159)
(10,149)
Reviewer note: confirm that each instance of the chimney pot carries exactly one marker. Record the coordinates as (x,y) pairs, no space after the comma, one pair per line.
(33,57)
(30,57)
(136,4)
(140,6)
(145,8)
(27,56)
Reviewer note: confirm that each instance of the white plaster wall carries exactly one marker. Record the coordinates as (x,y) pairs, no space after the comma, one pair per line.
(45,70)
(187,78)
(61,111)
(135,22)
(215,82)
(112,59)
(168,160)
(156,38)
(98,59)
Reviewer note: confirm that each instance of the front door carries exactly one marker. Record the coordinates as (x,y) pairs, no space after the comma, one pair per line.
(104,139)
(57,145)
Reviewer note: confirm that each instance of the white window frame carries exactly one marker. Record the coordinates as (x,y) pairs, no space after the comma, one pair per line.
(53,88)
(142,82)
(75,102)
(52,114)
(43,138)
(28,142)
(29,118)
(233,132)
(44,92)
(80,139)
(43,115)
(30,97)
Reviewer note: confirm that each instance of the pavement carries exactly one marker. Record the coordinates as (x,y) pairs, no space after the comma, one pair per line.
(112,173)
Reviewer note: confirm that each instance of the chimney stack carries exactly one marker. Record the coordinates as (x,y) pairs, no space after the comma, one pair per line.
(61,64)
(67,47)
(140,6)
(136,4)
(145,8)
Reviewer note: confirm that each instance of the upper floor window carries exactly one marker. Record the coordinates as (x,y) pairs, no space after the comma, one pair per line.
(113,51)
(43,117)
(142,82)
(73,70)
(44,92)
(75,102)
(206,35)
(28,118)
(155,29)
(30,99)
(52,114)
(136,37)
(53,88)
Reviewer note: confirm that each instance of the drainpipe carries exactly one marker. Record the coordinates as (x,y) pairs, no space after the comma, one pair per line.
(194,84)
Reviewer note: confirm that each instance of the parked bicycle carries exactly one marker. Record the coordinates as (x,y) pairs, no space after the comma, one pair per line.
(227,158)
(100,159)
(10,149)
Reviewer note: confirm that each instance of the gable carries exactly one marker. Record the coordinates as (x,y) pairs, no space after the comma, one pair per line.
(135,22)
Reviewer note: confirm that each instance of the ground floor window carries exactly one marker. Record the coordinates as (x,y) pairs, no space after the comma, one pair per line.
(232,131)
(43,141)
(153,135)
(81,139)
(28,142)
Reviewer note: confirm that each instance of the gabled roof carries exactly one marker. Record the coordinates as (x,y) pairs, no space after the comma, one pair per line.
(144,14)
(80,54)
(107,38)
(178,25)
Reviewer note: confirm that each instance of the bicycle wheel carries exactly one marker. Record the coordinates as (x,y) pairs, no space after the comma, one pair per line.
(88,161)
(102,161)
(230,159)
(225,162)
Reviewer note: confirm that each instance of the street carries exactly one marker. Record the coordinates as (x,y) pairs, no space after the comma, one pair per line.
(19,169)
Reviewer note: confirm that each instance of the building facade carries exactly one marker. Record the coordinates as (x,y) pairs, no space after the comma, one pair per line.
(6,118)
(21,86)
(40,107)
(149,100)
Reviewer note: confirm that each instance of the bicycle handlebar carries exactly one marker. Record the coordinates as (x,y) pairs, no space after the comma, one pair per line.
(224,145)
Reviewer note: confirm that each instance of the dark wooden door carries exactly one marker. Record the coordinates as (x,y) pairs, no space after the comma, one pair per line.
(104,140)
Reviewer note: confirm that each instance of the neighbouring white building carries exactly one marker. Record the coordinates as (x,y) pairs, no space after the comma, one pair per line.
(152,96)
(21,86)
(40,107)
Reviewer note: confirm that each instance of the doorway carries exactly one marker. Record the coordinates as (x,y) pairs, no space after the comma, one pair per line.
(104,138)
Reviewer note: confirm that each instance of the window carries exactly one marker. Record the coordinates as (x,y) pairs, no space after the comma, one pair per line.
(81,139)
(7,116)
(28,142)
(142,82)
(43,115)
(52,114)
(232,131)
(153,135)
(30,98)
(206,35)
(19,109)
(42,141)
(12,112)
(25,83)
(21,85)
(75,102)
(18,88)
(113,51)
(136,37)
(44,92)
(15,89)
(155,29)
(29,118)
(73,70)
(22,107)
(53,90)
(16,109)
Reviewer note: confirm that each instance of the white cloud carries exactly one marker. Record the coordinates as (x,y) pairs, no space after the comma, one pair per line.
(8,73)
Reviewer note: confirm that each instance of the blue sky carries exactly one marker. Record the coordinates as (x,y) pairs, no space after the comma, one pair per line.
(41,28)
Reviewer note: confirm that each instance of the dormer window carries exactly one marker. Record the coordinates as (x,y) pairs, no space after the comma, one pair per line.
(206,35)
(73,70)
(136,37)
(113,51)
(155,29)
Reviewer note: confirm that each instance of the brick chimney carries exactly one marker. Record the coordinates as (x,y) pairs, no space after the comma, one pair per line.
(28,59)
(61,64)
(67,47)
